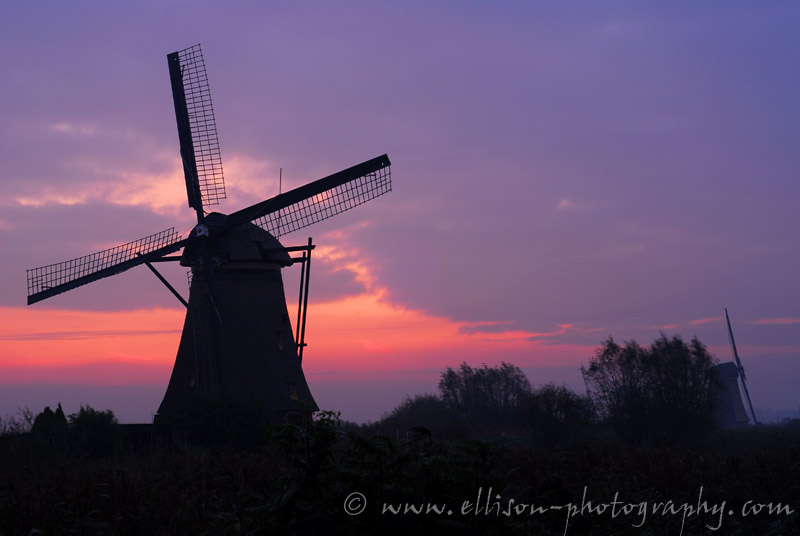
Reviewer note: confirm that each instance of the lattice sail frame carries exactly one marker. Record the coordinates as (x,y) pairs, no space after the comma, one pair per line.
(327,204)
(47,277)
(203,125)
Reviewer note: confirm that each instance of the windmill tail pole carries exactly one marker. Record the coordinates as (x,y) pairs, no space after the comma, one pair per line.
(305,299)
(740,367)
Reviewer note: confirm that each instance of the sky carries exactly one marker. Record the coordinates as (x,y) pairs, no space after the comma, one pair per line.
(562,173)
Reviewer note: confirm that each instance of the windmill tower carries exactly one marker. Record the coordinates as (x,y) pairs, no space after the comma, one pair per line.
(237,338)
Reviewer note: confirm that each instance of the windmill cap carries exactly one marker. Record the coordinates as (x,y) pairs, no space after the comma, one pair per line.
(243,243)
(249,241)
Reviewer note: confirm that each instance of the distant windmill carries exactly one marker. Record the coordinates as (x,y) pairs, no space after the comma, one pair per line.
(237,338)
(739,367)
(730,408)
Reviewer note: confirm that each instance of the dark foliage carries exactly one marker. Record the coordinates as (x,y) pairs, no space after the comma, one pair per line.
(554,413)
(50,422)
(662,392)
(478,402)
(300,481)
(427,410)
(95,433)
(484,395)
(20,423)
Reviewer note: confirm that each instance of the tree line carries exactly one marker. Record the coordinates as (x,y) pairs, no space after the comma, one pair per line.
(661,392)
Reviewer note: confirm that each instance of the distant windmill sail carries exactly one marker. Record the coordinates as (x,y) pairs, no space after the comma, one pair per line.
(740,367)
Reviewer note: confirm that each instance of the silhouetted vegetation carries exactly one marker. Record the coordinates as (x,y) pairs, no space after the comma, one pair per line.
(478,402)
(95,433)
(299,480)
(426,410)
(661,392)
(50,422)
(21,423)
(554,414)
(486,395)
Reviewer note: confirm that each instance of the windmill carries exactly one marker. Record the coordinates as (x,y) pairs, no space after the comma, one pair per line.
(739,367)
(237,338)
(730,408)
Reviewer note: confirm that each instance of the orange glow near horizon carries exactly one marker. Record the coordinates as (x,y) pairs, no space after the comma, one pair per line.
(361,335)
(42,338)
(367,331)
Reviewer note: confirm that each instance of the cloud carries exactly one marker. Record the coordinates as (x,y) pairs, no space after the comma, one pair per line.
(79,335)
(667,326)
(85,129)
(707,320)
(564,204)
(785,320)
(52,196)
(485,327)
(250,179)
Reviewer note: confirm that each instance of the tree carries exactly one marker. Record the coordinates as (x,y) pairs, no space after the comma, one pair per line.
(485,395)
(50,422)
(555,413)
(665,390)
(20,424)
(96,432)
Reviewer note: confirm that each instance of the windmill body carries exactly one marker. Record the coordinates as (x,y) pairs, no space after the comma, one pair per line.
(740,370)
(248,351)
(237,339)
(730,408)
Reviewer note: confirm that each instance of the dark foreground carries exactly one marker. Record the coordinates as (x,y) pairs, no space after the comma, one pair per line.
(319,478)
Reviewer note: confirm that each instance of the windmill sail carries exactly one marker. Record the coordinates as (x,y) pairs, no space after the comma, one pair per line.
(320,199)
(53,279)
(197,129)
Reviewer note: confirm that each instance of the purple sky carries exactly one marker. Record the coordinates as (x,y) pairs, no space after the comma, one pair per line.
(624,168)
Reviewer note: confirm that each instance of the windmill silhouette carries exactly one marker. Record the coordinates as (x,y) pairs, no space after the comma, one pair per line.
(237,338)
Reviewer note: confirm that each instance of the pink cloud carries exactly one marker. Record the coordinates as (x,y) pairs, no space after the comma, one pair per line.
(708,320)
(776,321)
